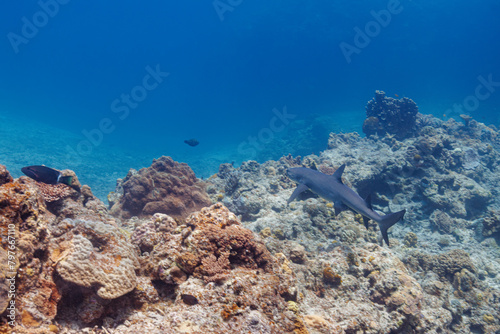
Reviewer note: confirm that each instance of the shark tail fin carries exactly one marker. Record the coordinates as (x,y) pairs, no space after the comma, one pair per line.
(389,220)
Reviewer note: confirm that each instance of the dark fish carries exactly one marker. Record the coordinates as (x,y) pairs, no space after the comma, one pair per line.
(192,142)
(46,175)
(189,299)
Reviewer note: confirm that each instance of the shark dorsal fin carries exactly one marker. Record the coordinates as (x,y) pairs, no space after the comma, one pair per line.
(339,207)
(338,173)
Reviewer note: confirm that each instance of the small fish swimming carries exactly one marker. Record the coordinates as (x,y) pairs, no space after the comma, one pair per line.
(46,175)
(331,188)
(192,142)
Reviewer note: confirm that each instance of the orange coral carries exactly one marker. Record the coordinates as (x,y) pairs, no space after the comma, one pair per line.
(329,276)
(216,269)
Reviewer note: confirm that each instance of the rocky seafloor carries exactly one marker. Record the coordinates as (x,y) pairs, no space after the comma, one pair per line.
(174,254)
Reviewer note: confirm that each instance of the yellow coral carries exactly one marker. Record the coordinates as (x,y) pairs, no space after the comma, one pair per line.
(489,318)
(292,306)
(410,239)
(30,271)
(266,232)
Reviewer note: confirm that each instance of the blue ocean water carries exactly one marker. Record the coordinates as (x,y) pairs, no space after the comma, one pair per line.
(101,87)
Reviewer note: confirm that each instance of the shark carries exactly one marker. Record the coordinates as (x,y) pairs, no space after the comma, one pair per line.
(331,188)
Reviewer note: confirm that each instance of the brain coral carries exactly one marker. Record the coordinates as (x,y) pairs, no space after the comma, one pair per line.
(98,255)
(166,187)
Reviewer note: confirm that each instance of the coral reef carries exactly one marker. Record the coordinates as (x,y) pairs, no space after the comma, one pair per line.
(54,192)
(165,187)
(444,175)
(65,251)
(252,263)
(491,224)
(4,175)
(218,267)
(386,115)
(97,254)
(442,221)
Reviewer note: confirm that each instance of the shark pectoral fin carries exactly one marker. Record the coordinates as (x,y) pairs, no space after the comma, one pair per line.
(300,188)
(365,221)
(339,207)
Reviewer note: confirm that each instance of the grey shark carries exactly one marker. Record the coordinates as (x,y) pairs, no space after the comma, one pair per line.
(331,188)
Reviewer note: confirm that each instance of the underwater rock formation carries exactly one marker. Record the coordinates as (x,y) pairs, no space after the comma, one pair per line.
(388,115)
(226,281)
(4,175)
(252,263)
(434,175)
(96,254)
(218,268)
(491,224)
(58,259)
(165,187)
(208,246)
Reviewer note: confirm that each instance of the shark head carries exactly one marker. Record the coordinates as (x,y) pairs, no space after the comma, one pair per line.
(295,174)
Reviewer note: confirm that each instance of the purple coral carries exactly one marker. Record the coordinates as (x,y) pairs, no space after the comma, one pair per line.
(388,115)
